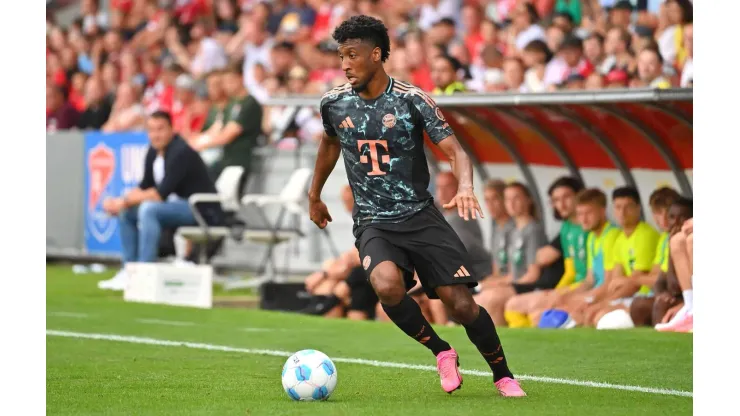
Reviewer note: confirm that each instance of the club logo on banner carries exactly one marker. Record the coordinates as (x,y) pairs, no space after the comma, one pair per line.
(101,163)
(114,164)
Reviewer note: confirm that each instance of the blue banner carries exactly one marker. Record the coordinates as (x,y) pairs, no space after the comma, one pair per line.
(114,163)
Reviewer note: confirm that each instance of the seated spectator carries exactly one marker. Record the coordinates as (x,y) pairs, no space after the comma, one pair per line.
(635,252)
(569,62)
(524,24)
(593,49)
(667,298)
(679,13)
(526,238)
(502,226)
(687,71)
(187,115)
(617,50)
(127,113)
(682,256)
(650,69)
(446,75)
(331,286)
(214,122)
(562,261)
(241,128)
(97,108)
(617,78)
(600,259)
(536,56)
(173,172)
(60,114)
(514,75)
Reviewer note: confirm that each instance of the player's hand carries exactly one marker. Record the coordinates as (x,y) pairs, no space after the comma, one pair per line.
(466,203)
(671,313)
(319,213)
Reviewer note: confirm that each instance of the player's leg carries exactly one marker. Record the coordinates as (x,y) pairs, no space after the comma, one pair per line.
(482,333)
(362,298)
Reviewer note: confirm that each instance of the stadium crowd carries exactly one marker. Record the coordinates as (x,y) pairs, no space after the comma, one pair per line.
(109,68)
(595,272)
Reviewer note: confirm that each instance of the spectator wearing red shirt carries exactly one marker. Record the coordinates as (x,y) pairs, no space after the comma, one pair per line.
(187,117)
(77,91)
(188,11)
(60,115)
(570,61)
(161,96)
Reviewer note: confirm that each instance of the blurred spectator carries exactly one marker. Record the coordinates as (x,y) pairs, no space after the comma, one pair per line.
(526,238)
(446,74)
(569,64)
(489,72)
(502,226)
(127,113)
(188,114)
(617,50)
(650,69)
(616,78)
(593,49)
(620,15)
(564,21)
(554,37)
(60,114)
(241,127)
(574,81)
(77,91)
(594,82)
(296,21)
(671,41)
(514,75)
(570,10)
(94,20)
(431,11)
(524,26)
(160,94)
(97,107)
(687,72)
(536,56)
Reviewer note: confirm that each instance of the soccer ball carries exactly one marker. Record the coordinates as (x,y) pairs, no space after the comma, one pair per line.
(309,375)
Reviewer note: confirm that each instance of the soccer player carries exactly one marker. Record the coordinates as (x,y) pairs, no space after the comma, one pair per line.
(377,123)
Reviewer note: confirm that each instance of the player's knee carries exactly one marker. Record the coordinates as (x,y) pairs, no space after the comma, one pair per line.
(464,310)
(388,283)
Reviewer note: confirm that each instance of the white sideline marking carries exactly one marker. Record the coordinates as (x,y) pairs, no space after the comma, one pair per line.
(386,364)
(68,314)
(163,322)
(257,329)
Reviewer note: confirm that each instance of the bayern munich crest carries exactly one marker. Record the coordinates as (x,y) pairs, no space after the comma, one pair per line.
(389,120)
(366,262)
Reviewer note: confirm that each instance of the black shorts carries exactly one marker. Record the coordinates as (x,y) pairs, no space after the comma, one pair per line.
(425,243)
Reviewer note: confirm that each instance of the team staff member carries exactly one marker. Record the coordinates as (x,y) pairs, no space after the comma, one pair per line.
(241,128)
(173,171)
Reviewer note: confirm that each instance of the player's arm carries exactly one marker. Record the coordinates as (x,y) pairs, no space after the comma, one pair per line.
(326,159)
(441,134)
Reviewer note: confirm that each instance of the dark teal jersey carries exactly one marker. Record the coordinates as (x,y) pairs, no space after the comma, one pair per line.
(383,146)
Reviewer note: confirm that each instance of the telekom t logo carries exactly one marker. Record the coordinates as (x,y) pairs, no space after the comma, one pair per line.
(373,144)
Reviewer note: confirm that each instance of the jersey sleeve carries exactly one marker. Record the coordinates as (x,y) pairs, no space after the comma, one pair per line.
(431,117)
(325,119)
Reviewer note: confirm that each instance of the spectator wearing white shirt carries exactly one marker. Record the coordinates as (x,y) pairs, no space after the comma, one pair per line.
(687,73)
(433,10)
(536,56)
(524,23)
(679,12)
(569,61)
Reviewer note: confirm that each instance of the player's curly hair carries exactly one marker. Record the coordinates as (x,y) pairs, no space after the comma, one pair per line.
(367,29)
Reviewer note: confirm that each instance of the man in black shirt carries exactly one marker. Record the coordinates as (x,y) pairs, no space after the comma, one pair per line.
(173,171)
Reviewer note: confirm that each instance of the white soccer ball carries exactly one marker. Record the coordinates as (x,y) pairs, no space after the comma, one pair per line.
(309,375)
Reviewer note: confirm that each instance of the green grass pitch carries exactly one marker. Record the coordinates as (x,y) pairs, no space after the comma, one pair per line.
(146,372)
